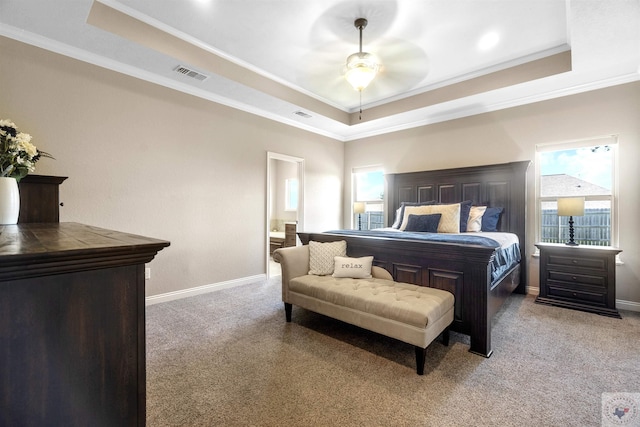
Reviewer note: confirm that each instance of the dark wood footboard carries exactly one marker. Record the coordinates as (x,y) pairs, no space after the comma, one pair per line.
(462,270)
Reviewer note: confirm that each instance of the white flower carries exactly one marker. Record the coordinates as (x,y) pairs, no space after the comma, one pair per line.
(26,146)
(18,155)
(23,137)
(7,123)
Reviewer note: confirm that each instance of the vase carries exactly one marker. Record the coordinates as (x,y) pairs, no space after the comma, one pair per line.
(9,201)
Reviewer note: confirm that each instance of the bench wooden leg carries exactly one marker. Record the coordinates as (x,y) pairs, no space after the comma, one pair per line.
(421,354)
(445,336)
(287,311)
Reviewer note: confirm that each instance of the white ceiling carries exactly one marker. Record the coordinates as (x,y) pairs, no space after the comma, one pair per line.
(276,57)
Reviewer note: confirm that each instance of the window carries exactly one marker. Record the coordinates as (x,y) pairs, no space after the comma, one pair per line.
(583,169)
(368,189)
(291,195)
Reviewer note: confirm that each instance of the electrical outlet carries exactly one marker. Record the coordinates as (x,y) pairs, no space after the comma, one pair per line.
(147,273)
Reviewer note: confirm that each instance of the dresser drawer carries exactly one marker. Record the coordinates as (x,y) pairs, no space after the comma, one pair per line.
(582,262)
(577,278)
(590,296)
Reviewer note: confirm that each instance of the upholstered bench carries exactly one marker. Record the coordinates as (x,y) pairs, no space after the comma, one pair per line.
(413,314)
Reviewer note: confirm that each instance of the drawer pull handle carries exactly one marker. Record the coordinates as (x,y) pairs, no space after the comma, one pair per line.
(574,278)
(575,261)
(575,295)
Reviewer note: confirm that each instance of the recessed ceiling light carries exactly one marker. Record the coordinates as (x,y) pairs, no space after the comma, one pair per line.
(488,41)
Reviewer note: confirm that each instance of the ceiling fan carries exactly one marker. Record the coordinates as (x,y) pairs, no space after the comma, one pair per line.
(390,66)
(362,67)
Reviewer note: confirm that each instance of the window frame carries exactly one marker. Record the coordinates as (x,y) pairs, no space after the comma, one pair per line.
(609,140)
(288,183)
(354,194)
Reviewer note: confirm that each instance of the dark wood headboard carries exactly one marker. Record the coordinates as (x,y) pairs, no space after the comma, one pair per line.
(502,185)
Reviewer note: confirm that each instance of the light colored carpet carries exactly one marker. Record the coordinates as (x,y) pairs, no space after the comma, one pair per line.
(228,358)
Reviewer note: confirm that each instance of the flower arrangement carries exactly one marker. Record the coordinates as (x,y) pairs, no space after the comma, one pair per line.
(18,156)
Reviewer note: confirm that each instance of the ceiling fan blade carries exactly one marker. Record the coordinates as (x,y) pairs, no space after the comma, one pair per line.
(324,64)
(402,66)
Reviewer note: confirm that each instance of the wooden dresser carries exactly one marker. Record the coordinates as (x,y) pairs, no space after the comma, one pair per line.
(72,325)
(578,277)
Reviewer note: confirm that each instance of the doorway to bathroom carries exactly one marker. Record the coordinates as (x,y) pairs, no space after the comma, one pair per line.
(285,204)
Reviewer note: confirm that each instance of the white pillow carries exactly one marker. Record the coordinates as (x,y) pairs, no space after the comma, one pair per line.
(449,221)
(475,218)
(355,268)
(398,218)
(321,256)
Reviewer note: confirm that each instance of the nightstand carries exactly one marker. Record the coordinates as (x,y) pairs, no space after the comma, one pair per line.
(578,277)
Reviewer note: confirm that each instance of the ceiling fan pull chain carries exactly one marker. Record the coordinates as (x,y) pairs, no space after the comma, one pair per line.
(360,104)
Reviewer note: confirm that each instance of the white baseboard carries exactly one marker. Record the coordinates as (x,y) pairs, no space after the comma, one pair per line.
(627,305)
(533,290)
(185,293)
(620,304)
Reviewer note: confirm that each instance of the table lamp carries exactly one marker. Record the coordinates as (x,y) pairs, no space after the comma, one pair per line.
(358,208)
(571,206)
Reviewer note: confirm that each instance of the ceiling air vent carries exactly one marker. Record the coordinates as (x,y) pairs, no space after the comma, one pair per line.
(190,73)
(302,114)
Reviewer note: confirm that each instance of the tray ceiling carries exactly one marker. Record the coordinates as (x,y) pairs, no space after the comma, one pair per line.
(285,59)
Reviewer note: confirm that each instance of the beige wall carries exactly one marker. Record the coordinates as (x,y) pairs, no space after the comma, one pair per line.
(148,160)
(512,135)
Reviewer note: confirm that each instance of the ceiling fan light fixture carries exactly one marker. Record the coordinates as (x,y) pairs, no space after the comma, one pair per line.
(362,67)
(361,70)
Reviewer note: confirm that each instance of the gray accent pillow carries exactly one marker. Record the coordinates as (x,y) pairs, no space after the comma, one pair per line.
(321,256)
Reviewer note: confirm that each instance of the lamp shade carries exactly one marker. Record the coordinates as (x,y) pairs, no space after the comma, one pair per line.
(361,69)
(571,206)
(358,207)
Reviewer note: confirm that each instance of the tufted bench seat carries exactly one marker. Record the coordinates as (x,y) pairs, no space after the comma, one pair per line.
(413,314)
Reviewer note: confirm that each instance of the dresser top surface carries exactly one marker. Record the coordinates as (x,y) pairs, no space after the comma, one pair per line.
(51,238)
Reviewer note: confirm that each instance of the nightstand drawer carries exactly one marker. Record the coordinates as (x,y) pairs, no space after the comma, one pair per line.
(578,278)
(594,263)
(592,297)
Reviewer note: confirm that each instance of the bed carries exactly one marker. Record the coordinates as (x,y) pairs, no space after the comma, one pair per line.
(464,268)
